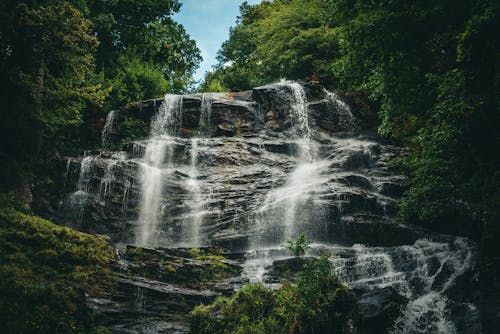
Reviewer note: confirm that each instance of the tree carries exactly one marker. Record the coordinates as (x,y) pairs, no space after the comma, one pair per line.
(64,63)
(135,31)
(47,81)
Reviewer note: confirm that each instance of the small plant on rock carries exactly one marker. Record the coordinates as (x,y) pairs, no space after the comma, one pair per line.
(298,246)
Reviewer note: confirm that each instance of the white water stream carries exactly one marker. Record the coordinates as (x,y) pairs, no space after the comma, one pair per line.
(108,127)
(157,157)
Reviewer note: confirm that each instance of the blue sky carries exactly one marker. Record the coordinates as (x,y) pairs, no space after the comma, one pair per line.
(208,22)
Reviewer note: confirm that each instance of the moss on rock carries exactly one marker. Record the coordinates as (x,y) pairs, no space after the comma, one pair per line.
(45,272)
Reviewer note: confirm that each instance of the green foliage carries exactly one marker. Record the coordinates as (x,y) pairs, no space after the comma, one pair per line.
(213,85)
(45,271)
(298,246)
(65,63)
(137,81)
(193,267)
(429,68)
(136,34)
(273,40)
(47,79)
(318,303)
(133,129)
(214,254)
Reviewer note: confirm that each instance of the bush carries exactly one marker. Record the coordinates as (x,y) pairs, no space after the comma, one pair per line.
(299,246)
(318,303)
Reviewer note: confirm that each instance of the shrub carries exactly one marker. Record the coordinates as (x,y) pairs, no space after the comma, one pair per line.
(318,303)
(298,246)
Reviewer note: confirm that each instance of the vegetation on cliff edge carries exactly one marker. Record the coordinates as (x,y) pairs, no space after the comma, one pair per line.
(317,303)
(426,73)
(45,272)
(65,64)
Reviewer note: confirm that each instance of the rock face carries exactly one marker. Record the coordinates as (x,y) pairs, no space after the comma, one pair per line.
(246,172)
(378,309)
(156,288)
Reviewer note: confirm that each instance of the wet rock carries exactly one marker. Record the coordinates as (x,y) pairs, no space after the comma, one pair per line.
(158,288)
(379,309)
(466,318)
(372,230)
(242,96)
(314,90)
(275,103)
(288,268)
(326,117)
(241,115)
(394,190)
(194,267)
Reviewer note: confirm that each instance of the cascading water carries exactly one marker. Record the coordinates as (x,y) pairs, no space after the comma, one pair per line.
(205,113)
(282,216)
(158,149)
(108,127)
(110,177)
(192,234)
(428,311)
(279,218)
(422,272)
(346,118)
(78,199)
(249,192)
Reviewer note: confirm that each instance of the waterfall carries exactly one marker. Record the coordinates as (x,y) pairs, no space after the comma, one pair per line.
(298,169)
(108,127)
(281,217)
(205,113)
(109,178)
(299,114)
(168,119)
(78,199)
(66,174)
(192,234)
(421,272)
(158,149)
(346,118)
(85,175)
(427,312)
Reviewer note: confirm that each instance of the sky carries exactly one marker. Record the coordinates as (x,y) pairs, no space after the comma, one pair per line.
(208,23)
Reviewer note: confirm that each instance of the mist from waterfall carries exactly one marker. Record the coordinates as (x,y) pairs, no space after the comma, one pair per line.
(108,127)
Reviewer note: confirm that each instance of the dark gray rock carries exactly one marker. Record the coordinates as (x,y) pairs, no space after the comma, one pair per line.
(372,230)
(288,268)
(156,289)
(379,309)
